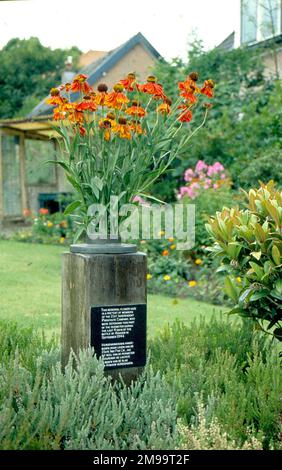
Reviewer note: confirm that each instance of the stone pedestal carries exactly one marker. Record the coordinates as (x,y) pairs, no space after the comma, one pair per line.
(91,280)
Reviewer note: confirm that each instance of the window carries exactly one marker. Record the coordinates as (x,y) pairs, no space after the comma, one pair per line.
(249,13)
(11,176)
(260,20)
(268,15)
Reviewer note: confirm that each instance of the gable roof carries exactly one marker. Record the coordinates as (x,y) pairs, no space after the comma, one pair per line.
(96,69)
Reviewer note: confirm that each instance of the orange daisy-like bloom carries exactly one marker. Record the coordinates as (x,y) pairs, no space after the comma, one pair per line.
(87,104)
(58,114)
(76,116)
(82,131)
(106,124)
(129,82)
(163,108)
(116,99)
(165,253)
(102,94)
(55,98)
(136,127)
(80,84)
(152,88)
(185,115)
(123,129)
(208,88)
(136,110)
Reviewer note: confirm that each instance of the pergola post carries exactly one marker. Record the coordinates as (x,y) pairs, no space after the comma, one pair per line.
(23,173)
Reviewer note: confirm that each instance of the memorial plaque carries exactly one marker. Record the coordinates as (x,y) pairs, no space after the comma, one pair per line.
(118,335)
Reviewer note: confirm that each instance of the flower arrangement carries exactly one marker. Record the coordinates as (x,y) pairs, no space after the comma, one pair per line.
(120,141)
(203,177)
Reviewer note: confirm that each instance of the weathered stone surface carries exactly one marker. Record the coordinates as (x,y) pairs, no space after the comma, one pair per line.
(96,280)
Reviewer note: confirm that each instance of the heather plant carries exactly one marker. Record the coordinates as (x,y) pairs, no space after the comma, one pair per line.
(249,244)
(208,385)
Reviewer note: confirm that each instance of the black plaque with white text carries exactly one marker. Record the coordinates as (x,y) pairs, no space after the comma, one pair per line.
(118,335)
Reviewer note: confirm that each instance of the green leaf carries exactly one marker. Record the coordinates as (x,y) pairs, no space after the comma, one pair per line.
(71,207)
(276,255)
(78,233)
(245,295)
(257,269)
(256,254)
(231,289)
(278,333)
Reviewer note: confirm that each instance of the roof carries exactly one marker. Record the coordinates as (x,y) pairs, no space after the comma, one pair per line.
(89,57)
(100,66)
(40,127)
(228,43)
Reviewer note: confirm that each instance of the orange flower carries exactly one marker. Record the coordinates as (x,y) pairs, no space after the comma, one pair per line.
(186,115)
(107,124)
(76,116)
(163,108)
(58,114)
(55,97)
(87,104)
(165,253)
(123,129)
(208,88)
(136,127)
(61,111)
(128,82)
(26,213)
(116,99)
(152,88)
(82,131)
(80,84)
(136,110)
(43,211)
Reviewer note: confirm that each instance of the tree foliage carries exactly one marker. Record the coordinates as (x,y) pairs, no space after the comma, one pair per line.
(245,122)
(27,71)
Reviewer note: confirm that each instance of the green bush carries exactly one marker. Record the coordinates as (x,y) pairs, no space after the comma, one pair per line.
(263,168)
(233,371)
(209,385)
(249,244)
(46,228)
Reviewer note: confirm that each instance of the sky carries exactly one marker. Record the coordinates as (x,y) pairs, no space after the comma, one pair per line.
(105,24)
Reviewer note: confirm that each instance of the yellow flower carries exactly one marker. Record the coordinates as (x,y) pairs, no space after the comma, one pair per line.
(143,242)
(171,239)
(62,240)
(167,277)
(192,283)
(198,261)
(172,247)
(238,279)
(49,224)
(149,276)
(161,233)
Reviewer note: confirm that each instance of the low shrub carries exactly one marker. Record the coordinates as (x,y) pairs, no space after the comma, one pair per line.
(249,245)
(46,228)
(208,385)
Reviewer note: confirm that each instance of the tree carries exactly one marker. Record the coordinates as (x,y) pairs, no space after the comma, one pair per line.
(27,71)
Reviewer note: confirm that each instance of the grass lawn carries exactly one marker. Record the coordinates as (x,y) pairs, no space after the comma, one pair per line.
(30,289)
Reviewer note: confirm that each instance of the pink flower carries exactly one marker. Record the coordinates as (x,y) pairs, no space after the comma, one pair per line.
(140,201)
(223,176)
(188,175)
(201,166)
(207,183)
